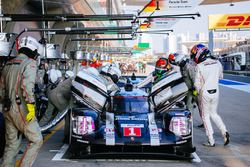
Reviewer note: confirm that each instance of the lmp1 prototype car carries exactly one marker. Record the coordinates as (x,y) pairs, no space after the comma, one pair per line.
(128,121)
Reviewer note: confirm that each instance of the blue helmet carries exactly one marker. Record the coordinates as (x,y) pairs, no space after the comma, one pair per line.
(199,53)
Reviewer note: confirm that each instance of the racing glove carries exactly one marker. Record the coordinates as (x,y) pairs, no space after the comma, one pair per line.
(195,93)
(31,112)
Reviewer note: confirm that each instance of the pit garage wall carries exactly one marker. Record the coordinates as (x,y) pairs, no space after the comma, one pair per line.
(20,7)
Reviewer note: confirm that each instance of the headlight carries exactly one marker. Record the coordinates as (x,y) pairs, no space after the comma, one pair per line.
(180,126)
(83,125)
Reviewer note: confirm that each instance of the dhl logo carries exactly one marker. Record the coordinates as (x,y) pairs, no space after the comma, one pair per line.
(237,21)
(229,21)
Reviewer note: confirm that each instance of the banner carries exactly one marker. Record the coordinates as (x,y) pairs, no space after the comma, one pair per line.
(178,5)
(169,5)
(159,23)
(228,21)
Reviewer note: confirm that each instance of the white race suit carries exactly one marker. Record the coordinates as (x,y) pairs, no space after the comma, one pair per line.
(207,78)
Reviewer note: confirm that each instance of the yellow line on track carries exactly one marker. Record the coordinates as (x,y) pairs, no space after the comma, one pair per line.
(58,127)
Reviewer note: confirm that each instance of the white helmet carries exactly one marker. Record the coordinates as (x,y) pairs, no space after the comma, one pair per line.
(112,71)
(69,74)
(180,58)
(32,44)
(54,75)
(115,64)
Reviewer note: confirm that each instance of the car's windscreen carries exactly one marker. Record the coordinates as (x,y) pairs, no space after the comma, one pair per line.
(130,104)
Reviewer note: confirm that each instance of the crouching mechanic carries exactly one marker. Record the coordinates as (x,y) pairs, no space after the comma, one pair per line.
(162,67)
(59,96)
(208,73)
(54,78)
(18,78)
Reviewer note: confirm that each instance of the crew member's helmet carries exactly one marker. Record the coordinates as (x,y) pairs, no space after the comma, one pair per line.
(84,63)
(54,76)
(172,58)
(199,53)
(181,60)
(30,47)
(162,66)
(69,74)
(111,71)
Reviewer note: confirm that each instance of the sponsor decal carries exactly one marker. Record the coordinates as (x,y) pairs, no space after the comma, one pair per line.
(110,130)
(126,118)
(132,131)
(132,125)
(153,131)
(229,21)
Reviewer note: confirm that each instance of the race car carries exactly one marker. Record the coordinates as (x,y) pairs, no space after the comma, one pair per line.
(129,120)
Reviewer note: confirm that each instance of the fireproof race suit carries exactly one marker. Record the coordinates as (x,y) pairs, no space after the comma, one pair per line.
(18,80)
(207,78)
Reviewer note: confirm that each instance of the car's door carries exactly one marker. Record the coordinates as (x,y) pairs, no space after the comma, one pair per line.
(91,90)
(168,90)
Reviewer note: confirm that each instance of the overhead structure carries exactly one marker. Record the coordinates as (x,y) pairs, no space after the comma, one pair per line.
(132,30)
(66,17)
(154,31)
(100,39)
(81,17)
(69,29)
(108,32)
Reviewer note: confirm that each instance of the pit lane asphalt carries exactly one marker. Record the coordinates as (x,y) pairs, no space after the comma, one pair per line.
(239,78)
(234,108)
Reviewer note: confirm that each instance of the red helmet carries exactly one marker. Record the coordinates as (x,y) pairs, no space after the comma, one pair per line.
(161,63)
(162,66)
(84,63)
(172,57)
